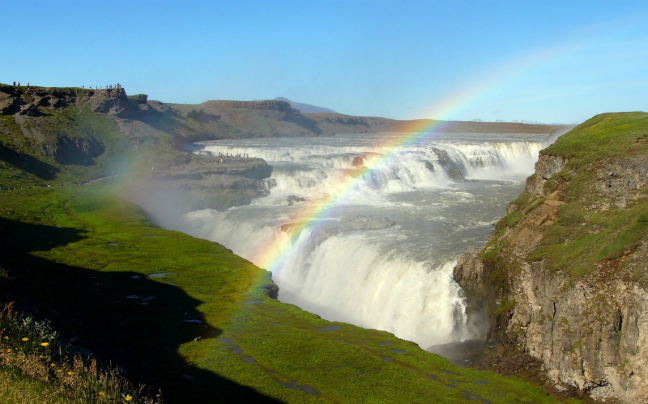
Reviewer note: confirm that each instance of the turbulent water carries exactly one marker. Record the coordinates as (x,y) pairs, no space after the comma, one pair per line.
(383,257)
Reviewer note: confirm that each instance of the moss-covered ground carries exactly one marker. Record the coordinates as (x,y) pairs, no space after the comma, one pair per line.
(189,317)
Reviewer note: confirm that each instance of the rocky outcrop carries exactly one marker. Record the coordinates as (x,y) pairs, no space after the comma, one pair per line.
(37,101)
(34,101)
(74,126)
(348,120)
(562,286)
(72,150)
(358,162)
(213,182)
(450,167)
(546,167)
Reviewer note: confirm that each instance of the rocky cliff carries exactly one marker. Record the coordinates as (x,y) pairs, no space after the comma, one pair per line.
(39,101)
(564,275)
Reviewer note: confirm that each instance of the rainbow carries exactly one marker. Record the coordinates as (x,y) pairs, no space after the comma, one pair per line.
(273,256)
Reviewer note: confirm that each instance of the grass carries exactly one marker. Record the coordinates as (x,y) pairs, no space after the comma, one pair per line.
(37,368)
(605,136)
(204,330)
(583,237)
(569,245)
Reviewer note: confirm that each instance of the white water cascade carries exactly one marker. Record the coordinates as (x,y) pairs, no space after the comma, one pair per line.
(383,257)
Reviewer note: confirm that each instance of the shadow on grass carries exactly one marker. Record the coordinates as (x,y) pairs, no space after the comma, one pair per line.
(28,163)
(121,317)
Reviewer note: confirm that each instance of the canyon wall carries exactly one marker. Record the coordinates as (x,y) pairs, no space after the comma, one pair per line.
(564,275)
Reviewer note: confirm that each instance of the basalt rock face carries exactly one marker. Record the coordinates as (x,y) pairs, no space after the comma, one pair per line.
(564,276)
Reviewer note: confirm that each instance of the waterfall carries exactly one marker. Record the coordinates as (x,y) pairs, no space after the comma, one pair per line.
(384,258)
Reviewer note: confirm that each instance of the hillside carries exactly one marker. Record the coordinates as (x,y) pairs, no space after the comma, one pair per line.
(564,274)
(74,134)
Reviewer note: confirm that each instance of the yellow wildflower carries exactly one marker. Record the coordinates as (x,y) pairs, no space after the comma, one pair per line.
(59,370)
(70,373)
(6,337)
(25,339)
(101,393)
(44,343)
(51,364)
(8,350)
(128,397)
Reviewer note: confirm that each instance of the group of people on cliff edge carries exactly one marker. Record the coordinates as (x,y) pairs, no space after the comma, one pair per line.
(108,87)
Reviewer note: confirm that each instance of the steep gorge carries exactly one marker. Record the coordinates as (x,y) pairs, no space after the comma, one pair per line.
(564,274)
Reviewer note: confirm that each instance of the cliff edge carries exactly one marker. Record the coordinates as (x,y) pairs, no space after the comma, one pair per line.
(564,275)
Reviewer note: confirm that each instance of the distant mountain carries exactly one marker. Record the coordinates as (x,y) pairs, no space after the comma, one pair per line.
(305,108)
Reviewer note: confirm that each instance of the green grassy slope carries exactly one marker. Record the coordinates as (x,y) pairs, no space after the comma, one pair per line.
(586,236)
(110,149)
(205,330)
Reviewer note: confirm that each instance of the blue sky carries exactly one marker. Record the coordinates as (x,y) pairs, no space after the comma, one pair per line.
(547,61)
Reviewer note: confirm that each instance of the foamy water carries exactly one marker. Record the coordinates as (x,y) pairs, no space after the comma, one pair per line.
(396,278)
